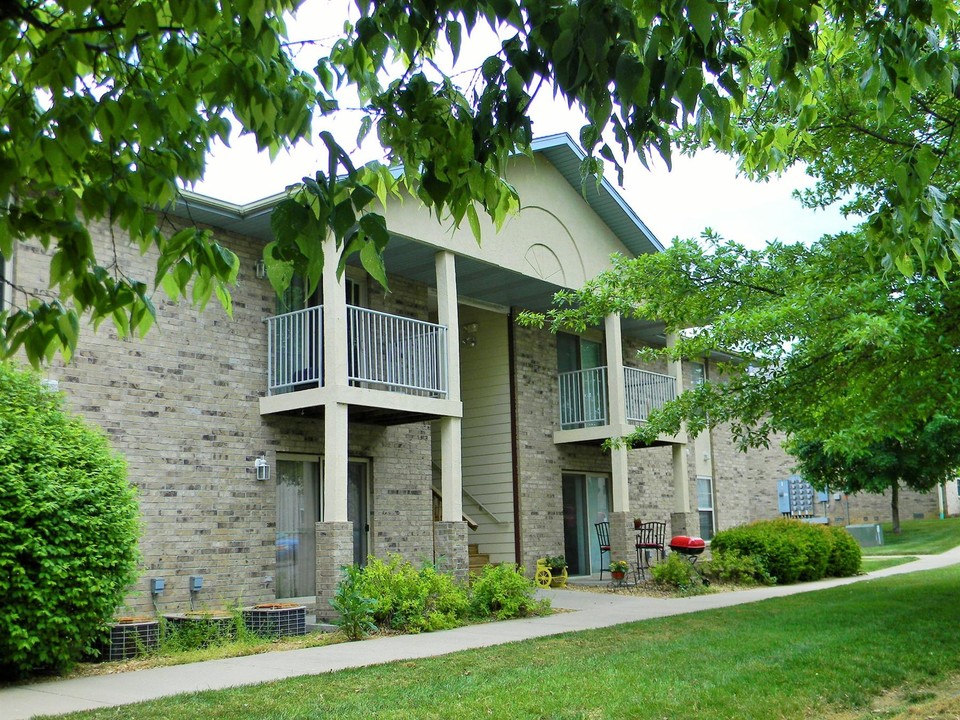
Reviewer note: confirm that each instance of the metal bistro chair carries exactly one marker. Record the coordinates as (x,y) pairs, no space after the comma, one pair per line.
(603,537)
(650,538)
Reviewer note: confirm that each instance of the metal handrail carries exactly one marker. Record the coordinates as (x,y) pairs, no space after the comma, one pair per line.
(583,398)
(646,391)
(401,354)
(295,350)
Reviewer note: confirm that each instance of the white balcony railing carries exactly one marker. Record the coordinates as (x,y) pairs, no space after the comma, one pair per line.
(583,396)
(295,351)
(384,351)
(646,391)
(397,353)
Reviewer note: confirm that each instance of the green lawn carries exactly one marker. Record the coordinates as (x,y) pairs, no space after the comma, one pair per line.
(870,564)
(919,537)
(806,656)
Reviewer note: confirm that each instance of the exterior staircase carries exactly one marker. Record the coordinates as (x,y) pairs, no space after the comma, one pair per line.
(478,560)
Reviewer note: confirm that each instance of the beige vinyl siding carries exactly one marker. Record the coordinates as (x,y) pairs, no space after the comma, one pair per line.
(487,459)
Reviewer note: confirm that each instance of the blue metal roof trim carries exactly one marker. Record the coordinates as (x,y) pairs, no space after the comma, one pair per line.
(566,155)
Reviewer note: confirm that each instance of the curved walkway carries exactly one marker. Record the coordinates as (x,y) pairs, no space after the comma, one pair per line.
(588,611)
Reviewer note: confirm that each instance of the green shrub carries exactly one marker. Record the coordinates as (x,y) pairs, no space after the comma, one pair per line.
(411,600)
(732,567)
(502,591)
(677,572)
(355,609)
(68,530)
(790,550)
(845,555)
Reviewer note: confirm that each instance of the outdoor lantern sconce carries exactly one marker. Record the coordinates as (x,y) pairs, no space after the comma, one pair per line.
(470,334)
(263,467)
(261,270)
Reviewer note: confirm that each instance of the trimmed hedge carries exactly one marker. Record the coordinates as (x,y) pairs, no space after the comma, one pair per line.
(793,551)
(69,525)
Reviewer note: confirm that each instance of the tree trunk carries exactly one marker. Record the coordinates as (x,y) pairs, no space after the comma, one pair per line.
(895,506)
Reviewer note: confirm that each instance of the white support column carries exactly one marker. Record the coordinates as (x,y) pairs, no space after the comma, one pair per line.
(335,434)
(681,480)
(451,469)
(335,461)
(448,314)
(334,320)
(617,404)
(451,459)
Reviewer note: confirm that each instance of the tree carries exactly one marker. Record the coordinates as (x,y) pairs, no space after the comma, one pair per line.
(823,346)
(69,525)
(105,110)
(921,459)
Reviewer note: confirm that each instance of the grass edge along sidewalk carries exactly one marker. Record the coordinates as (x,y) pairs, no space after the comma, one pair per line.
(678,682)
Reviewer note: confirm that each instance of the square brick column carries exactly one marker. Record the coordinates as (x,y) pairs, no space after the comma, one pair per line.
(450,552)
(334,550)
(623,539)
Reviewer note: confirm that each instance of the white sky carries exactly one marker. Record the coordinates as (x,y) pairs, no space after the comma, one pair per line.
(699,192)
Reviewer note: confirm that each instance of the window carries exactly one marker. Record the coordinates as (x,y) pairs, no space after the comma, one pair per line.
(698,373)
(705,506)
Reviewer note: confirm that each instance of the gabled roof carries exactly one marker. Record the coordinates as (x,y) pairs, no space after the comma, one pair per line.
(566,156)
(253,219)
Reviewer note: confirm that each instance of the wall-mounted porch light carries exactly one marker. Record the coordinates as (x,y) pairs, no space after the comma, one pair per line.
(470,334)
(262,467)
(261,270)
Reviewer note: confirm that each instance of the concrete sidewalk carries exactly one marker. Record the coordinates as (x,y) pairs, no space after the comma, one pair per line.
(587,611)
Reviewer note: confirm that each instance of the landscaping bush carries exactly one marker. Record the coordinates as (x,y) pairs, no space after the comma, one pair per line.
(845,555)
(68,530)
(355,610)
(789,550)
(411,600)
(732,567)
(502,591)
(677,572)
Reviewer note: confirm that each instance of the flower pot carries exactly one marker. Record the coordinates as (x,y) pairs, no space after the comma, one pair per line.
(637,523)
(129,637)
(558,578)
(617,574)
(276,619)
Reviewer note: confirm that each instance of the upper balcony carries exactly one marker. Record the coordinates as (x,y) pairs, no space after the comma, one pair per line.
(584,402)
(397,367)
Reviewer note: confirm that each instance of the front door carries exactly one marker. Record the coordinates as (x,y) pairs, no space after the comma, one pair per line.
(299,508)
(357,509)
(586,501)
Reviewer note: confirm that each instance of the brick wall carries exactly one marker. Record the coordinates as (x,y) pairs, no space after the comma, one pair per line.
(182,406)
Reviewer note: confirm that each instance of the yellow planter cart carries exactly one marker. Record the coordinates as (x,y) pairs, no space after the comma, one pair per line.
(551,572)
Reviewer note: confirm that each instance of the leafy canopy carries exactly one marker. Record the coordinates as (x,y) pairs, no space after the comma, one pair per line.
(811,341)
(107,108)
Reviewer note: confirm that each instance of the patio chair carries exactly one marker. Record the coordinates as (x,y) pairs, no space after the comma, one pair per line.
(650,538)
(603,537)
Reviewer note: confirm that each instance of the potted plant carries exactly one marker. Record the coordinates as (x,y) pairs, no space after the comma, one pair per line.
(618,569)
(551,571)
(637,522)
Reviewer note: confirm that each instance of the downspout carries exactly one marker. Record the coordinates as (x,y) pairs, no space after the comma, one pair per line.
(514,441)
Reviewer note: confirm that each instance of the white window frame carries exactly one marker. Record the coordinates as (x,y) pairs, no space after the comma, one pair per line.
(713,504)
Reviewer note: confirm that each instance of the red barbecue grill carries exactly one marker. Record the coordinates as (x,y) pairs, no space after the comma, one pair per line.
(691,548)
